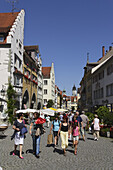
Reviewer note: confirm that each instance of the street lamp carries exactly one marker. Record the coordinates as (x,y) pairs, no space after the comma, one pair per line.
(2,92)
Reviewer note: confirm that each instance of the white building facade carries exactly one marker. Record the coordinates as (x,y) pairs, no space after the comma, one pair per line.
(48,84)
(102,83)
(11,52)
(40,85)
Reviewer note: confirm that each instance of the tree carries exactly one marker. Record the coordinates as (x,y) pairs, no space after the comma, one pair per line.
(11,94)
(50,103)
(102,112)
(105,115)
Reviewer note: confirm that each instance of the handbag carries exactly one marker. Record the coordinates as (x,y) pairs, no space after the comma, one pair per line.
(23,131)
(38,132)
(49,139)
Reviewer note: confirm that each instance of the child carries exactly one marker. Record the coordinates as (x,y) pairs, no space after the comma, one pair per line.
(75,132)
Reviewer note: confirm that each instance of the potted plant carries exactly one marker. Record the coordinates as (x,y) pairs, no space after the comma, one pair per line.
(105,132)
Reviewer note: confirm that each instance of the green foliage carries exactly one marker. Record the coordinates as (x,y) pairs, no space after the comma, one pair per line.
(11,94)
(105,130)
(90,116)
(50,103)
(108,119)
(102,112)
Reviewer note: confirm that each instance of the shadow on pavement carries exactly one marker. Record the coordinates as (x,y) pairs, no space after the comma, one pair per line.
(17,152)
(3,136)
(50,145)
(90,138)
(59,151)
(29,151)
(69,150)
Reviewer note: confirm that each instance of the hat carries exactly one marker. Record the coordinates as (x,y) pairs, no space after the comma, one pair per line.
(83,112)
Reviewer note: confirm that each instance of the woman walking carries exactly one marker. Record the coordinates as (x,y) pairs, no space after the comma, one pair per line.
(63,130)
(19,138)
(75,132)
(36,131)
(96,128)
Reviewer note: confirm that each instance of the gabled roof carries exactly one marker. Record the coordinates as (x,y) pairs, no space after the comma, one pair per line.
(46,72)
(7,20)
(32,48)
(101,64)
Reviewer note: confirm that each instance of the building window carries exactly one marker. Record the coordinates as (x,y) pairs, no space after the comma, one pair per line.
(109,90)
(16,80)
(45,91)
(45,101)
(98,94)
(45,82)
(110,69)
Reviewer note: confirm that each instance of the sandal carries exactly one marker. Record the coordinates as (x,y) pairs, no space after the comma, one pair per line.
(75,153)
(21,157)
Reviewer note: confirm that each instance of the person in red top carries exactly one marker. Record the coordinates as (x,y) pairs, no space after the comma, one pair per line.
(75,132)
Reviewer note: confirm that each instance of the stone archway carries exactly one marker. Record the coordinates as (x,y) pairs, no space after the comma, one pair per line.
(25,100)
(39,106)
(33,102)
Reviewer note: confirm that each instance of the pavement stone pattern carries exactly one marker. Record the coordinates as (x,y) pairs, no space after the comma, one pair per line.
(91,155)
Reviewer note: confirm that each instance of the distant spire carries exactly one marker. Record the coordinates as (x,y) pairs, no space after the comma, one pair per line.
(74,88)
(87,57)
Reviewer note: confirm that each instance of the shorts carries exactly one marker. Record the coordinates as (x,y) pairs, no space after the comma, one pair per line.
(75,138)
(55,133)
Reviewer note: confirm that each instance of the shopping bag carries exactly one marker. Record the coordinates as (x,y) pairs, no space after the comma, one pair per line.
(37,132)
(49,139)
(23,131)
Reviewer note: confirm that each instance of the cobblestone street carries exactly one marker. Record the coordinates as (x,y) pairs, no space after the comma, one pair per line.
(91,154)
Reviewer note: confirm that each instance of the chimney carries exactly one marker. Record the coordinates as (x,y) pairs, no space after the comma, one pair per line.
(103,51)
(110,47)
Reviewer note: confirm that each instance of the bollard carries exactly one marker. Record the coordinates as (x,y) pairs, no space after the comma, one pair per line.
(108,134)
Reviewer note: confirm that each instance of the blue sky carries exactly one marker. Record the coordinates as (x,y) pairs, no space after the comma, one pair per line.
(65,31)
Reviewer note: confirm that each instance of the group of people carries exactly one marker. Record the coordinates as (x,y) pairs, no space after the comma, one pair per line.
(68,125)
(35,130)
(72,125)
(64,126)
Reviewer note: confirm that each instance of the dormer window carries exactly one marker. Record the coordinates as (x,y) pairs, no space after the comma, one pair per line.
(1,38)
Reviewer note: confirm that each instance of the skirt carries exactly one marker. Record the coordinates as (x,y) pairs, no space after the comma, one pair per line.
(19,140)
(64,139)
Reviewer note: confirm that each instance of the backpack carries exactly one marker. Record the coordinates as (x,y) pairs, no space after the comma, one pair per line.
(58,123)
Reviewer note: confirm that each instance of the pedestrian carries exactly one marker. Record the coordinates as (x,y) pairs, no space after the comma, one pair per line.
(36,138)
(75,132)
(63,130)
(19,138)
(47,121)
(96,127)
(85,122)
(70,118)
(55,126)
(61,117)
(79,119)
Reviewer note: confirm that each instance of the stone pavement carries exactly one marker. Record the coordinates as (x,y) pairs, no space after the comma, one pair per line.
(92,155)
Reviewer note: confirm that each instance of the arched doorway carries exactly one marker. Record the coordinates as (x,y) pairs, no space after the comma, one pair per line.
(33,102)
(39,106)
(25,100)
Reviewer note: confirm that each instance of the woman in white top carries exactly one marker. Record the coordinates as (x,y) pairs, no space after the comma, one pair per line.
(96,127)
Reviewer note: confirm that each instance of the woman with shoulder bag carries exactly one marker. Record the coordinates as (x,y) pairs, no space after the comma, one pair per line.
(36,131)
(19,138)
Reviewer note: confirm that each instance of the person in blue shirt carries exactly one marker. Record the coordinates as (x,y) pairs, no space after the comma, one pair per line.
(55,126)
